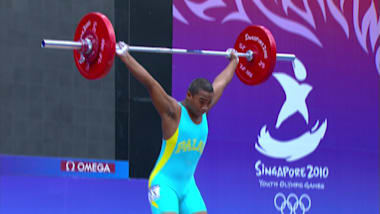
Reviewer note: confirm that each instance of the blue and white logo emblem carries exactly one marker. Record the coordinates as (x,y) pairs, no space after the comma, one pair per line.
(154,193)
(296,94)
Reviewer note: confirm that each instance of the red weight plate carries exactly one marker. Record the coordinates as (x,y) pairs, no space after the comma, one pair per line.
(98,29)
(259,40)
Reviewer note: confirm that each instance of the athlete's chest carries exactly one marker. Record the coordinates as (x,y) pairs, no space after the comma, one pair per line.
(191,137)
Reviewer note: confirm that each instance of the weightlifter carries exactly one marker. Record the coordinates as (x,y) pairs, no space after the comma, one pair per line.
(172,188)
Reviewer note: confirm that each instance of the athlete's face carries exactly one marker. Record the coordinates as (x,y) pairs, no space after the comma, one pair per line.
(200,102)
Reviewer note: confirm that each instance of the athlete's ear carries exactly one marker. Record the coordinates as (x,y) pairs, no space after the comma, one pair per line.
(188,95)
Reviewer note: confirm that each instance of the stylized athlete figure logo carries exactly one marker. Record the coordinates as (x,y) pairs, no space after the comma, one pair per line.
(296,94)
(292,203)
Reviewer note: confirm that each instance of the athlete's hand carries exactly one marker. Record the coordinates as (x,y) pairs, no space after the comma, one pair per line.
(122,49)
(232,55)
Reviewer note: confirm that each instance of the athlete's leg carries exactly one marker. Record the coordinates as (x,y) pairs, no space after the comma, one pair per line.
(163,199)
(192,201)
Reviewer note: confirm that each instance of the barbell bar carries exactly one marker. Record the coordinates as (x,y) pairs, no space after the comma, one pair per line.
(72,45)
(94,49)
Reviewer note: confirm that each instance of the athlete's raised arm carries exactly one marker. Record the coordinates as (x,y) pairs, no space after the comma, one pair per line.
(224,78)
(166,105)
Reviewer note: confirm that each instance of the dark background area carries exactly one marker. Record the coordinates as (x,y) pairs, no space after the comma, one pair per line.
(48,109)
(148,23)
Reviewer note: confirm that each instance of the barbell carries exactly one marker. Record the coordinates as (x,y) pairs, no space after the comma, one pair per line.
(94,49)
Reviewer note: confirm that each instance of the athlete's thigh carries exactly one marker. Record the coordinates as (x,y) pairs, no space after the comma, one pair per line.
(163,199)
(192,202)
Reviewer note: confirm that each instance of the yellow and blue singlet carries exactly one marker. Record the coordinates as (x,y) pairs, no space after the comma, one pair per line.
(172,186)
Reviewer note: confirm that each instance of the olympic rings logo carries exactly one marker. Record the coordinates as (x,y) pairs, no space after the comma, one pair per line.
(292,202)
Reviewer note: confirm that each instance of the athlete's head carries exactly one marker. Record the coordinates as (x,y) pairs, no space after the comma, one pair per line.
(199,96)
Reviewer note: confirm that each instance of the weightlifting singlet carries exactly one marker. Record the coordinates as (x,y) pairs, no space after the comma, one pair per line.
(172,186)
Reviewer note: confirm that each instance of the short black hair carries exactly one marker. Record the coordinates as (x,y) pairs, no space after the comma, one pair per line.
(200,84)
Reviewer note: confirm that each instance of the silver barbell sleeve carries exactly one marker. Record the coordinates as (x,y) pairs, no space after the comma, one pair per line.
(285,57)
(61,44)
